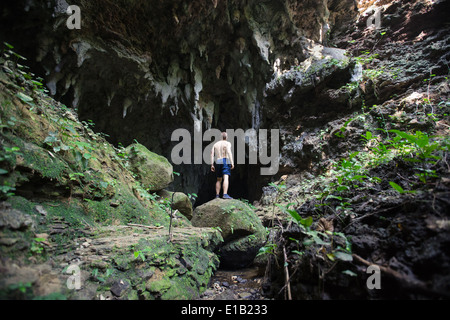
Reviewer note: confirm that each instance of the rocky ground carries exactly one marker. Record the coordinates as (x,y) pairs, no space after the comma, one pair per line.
(242,284)
(364,177)
(131,261)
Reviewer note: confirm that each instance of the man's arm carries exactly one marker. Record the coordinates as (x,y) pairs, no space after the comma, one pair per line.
(212,160)
(230,155)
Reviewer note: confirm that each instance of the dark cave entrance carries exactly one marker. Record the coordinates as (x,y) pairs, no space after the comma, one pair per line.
(238,186)
(246,183)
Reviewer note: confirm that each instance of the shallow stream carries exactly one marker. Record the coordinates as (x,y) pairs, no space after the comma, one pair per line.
(242,284)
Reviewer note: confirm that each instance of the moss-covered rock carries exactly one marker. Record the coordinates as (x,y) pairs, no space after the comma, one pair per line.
(241,229)
(153,171)
(156,268)
(181,202)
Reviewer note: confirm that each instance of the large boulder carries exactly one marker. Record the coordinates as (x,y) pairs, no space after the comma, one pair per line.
(241,229)
(155,172)
(181,202)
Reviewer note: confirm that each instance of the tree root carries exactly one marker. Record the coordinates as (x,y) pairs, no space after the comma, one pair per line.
(286,274)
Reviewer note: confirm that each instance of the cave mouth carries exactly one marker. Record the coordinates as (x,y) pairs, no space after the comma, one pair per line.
(238,187)
(245,183)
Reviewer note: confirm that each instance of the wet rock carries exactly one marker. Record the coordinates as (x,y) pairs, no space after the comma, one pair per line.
(248,288)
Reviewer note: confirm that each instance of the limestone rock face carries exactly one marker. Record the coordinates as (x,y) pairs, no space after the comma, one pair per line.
(153,171)
(241,229)
(147,68)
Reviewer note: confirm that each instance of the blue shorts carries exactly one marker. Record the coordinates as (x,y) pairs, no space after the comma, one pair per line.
(222,167)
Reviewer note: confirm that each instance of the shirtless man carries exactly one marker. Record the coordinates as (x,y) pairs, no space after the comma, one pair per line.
(224,164)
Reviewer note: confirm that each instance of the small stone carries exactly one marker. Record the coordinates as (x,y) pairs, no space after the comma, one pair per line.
(245,295)
(208,293)
(8,241)
(42,235)
(119,287)
(40,209)
(114,204)
(225,284)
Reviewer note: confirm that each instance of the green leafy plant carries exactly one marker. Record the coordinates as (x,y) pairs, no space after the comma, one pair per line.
(192,197)
(367,136)
(425,174)
(6,190)
(366,57)
(305,222)
(8,156)
(75,175)
(139,254)
(247,203)
(101,278)
(424,146)
(22,287)
(53,141)
(314,237)
(350,173)
(36,246)
(268,249)
(399,189)
(83,150)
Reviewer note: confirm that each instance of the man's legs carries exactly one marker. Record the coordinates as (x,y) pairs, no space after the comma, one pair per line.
(218,185)
(225,184)
(225,187)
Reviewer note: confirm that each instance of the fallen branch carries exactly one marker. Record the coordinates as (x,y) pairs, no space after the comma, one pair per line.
(144,226)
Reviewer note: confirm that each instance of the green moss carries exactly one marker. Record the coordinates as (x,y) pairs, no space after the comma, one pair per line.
(181,289)
(39,159)
(168,270)
(123,262)
(153,171)
(72,212)
(159,286)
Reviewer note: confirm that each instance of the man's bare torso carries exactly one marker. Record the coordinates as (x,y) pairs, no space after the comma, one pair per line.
(220,149)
